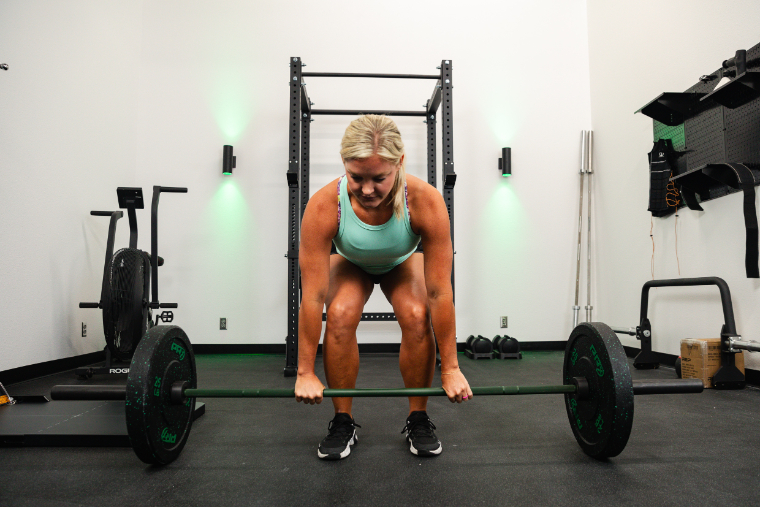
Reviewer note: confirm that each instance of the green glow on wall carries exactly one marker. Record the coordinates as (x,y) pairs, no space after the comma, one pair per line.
(502,232)
(231,233)
(503,132)
(229,209)
(232,101)
(503,207)
(504,228)
(504,122)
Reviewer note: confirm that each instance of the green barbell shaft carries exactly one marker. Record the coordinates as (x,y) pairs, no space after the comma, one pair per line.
(371,393)
(69,392)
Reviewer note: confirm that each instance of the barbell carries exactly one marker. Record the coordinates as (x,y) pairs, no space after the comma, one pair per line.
(162,386)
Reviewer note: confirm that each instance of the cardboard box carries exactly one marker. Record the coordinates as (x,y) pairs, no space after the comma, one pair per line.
(700,358)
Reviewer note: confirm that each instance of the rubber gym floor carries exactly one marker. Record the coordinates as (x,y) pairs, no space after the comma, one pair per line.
(694,449)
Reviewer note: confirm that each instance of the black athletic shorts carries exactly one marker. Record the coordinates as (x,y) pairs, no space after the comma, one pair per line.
(375,278)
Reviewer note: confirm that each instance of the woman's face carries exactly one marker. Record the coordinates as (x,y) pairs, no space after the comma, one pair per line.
(371,180)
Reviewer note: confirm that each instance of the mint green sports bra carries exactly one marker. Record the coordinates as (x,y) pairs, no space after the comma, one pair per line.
(374,248)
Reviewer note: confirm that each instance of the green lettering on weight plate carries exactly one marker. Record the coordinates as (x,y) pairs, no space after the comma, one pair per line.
(599,423)
(179,350)
(574,410)
(598,362)
(573,356)
(167,437)
(157,387)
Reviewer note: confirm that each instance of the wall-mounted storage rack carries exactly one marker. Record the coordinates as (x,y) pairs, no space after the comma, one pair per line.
(713,125)
(715,128)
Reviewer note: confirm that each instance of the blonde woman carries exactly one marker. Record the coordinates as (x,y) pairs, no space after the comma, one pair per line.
(376,216)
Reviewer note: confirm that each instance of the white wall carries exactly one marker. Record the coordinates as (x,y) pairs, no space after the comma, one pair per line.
(145,93)
(67,140)
(637,51)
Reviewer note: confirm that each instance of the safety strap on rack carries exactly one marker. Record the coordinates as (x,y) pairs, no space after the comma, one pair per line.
(745,180)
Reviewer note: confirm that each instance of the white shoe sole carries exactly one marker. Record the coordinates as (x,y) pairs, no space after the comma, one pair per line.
(344,453)
(435,452)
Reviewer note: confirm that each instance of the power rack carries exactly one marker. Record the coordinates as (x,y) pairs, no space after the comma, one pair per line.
(299,126)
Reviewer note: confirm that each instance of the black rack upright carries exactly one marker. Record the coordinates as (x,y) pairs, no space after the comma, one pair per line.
(300,119)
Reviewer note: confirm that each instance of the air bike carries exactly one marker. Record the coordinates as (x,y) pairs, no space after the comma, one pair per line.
(127,278)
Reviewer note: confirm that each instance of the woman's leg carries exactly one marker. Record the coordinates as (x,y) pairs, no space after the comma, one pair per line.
(349,290)
(404,287)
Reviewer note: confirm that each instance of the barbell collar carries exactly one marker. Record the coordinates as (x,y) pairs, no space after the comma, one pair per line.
(177,392)
(581,387)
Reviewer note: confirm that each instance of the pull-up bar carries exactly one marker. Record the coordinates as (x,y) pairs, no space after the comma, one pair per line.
(392,76)
(364,111)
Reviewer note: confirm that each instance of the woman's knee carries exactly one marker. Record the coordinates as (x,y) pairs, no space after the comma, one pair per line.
(343,319)
(414,320)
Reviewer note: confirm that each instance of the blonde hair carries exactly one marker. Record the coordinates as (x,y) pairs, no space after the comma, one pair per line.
(372,134)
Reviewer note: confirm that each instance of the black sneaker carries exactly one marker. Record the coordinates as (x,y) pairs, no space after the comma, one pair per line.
(420,435)
(342,435)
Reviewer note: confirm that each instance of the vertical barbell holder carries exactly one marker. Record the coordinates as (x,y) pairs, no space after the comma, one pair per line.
(576,306)
(589,172)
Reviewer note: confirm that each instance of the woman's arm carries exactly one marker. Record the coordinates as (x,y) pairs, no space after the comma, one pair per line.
(318,227)
(431,219)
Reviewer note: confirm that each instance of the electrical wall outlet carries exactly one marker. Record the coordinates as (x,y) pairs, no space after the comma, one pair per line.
(223,324)
(84,330)
(504,321)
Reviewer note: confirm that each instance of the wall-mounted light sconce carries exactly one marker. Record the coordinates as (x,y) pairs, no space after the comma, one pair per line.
(505,162)
(228,161)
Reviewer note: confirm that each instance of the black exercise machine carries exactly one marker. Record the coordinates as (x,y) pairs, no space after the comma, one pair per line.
(127,278)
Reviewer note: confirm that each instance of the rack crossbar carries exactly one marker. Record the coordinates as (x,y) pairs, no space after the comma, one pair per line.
(351,112)
(391,76)
(376,317)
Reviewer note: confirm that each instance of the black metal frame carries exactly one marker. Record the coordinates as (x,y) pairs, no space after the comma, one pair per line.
(728,376)
(708,132)
(298,170)
(131,198)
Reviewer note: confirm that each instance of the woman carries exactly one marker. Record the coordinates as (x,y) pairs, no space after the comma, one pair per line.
(376,216)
